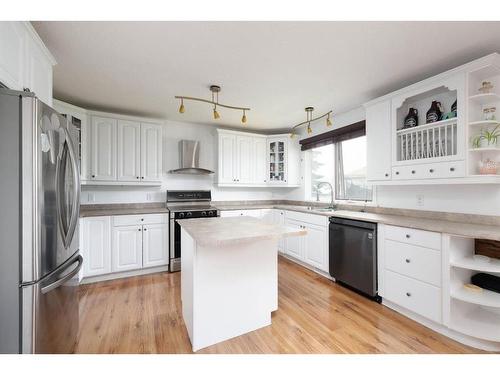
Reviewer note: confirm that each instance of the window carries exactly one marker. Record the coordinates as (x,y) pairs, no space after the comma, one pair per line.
(321,167)
(350,157)
(343,165)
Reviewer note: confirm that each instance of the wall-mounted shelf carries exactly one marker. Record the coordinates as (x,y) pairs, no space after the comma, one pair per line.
(485,98)
(484,123)
(427,126)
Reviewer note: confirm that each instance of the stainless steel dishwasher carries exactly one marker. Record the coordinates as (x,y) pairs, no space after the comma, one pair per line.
(353,255)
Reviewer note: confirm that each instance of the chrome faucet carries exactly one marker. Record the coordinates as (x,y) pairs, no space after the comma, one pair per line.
(332,205)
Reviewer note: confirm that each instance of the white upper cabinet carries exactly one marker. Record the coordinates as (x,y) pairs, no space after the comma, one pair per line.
(260,159)
(123,151)
(151,152)
(246,159)
(129,148)
(244,147)
(103,146)
(226,164)
(378,141)
(12,49)
(25,62)
(438,149)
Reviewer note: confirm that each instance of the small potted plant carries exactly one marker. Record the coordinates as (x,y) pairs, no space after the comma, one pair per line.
(486,138)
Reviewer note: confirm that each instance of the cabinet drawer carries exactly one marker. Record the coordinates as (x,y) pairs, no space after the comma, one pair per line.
(418,262)
(307,218)
(121,220)
(414,295)
(431,170)
(414,236)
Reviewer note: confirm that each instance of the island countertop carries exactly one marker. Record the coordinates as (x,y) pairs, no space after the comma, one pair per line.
(219,231)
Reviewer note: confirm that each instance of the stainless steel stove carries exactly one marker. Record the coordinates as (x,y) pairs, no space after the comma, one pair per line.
(185,204)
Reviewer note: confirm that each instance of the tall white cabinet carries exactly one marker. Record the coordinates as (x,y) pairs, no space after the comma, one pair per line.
(25,62)
(103,149)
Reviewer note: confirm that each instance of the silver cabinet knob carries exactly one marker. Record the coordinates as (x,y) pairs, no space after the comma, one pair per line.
(407,260)
(431,170)
(408,294)
(408,236)
(452,169)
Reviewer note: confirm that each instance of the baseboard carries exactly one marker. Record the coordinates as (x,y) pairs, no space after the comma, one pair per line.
(305,265)
(445,331)
(121,275)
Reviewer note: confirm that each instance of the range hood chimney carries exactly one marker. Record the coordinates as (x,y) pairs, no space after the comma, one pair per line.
(189,155)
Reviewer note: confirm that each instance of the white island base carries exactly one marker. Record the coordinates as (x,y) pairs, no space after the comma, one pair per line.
(229,284)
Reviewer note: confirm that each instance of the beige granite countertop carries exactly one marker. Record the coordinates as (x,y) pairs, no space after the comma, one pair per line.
(475,226)
(122,209)
(220,231)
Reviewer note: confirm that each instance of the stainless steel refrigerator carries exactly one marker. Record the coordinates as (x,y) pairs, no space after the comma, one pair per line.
(39,210)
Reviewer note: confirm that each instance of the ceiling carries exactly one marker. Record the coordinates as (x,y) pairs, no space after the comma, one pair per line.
(275,68)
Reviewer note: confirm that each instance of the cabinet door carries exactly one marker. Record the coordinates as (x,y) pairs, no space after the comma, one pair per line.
(127,248)
(277,149)
(103,146)
(378,141)
(244,150)
(12,37)
(231,213)
(316,247)
(96,245)
(259,156)
(227,154)
(38,72)
(151,152)
(279,219)
(128,150)
(294,246)
(154,245)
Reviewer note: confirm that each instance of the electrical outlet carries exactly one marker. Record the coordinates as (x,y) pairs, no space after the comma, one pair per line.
(420,200)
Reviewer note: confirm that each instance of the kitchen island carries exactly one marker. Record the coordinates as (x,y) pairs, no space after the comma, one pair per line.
(229,278)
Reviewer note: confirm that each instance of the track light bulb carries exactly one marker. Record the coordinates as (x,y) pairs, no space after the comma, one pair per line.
(309,130)
(244,118)
(216,114)
(181,108)
(328,121)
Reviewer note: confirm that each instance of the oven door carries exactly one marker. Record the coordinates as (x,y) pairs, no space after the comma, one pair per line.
(175,246)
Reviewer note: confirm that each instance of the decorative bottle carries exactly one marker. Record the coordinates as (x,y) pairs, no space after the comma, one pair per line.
(434,113)
(411,119)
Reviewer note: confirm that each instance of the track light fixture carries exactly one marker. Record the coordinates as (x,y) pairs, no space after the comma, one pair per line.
(215,101)
(309,119)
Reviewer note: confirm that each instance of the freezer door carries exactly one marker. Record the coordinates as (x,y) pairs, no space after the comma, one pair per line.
(52,325)
(58,190)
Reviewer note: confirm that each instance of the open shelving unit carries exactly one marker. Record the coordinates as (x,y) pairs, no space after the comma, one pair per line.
(476,123)
(476,314)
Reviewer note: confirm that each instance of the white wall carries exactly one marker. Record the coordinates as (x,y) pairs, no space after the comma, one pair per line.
(173,133)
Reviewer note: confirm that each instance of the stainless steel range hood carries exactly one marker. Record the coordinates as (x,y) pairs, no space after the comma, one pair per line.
(189,155)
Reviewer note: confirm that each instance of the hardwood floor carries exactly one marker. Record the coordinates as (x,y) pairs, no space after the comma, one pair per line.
(143,315)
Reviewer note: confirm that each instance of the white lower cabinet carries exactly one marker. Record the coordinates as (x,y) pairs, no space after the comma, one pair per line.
(312,248)
(95,245)
(154,245)
(127,248)
(111,244)
(234,213)
(410,270)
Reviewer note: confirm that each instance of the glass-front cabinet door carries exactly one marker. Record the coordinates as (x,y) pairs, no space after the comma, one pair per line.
(277,160)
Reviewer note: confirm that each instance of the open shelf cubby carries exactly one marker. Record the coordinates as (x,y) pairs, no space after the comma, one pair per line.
(473,313)
(427,140)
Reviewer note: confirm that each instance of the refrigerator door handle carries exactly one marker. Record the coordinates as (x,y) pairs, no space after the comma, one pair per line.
(65,278)
(69,233)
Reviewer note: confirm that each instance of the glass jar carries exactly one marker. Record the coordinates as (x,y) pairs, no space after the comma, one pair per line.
(489,113)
